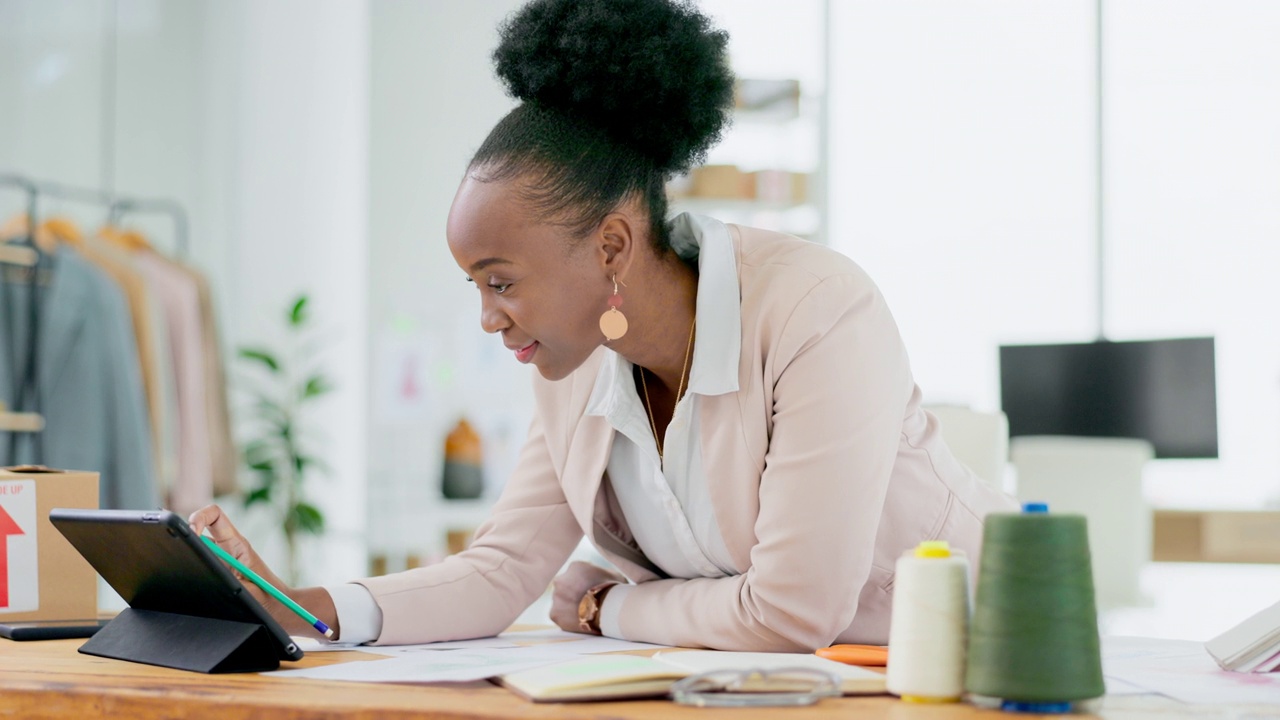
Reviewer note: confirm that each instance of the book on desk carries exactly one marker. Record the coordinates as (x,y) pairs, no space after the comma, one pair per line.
(615,677)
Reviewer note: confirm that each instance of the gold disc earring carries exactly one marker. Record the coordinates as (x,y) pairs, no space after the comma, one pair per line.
(613,323)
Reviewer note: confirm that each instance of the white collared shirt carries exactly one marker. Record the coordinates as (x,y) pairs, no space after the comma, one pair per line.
(665,500)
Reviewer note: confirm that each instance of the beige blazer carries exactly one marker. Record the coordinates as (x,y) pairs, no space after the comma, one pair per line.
(823,469)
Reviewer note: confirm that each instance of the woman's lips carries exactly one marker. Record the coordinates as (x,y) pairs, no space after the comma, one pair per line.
(525,354)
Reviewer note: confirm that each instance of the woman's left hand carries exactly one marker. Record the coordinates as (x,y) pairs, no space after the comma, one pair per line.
(569,589)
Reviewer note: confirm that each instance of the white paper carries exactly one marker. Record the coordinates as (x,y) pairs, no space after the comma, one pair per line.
(311,645)
(550,640)
(1116,686)
(1183,670)
(451,666)
(489,643)
(556,640)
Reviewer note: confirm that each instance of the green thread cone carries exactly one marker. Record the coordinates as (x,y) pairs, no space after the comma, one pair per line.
(1034,634)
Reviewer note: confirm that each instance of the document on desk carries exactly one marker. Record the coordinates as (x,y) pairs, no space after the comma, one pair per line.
(551,640)
(1183,670)
(465,660)
(423,667)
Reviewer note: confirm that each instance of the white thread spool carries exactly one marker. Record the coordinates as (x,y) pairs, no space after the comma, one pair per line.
(929,626)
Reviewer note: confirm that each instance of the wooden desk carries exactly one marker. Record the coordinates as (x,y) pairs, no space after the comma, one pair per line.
(49,679)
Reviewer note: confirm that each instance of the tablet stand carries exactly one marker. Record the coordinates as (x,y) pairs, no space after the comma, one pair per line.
(185,642)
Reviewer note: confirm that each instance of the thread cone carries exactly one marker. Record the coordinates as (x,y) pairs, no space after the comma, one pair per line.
(1034,633)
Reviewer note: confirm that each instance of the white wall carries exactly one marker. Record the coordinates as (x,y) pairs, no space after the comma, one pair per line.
(963,167)
(1193,119)
(297,214)
(961,176)
(434,98)
(50,73)
(251,115)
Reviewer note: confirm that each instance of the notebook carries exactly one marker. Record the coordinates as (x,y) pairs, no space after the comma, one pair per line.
(617,677)
(1251,646)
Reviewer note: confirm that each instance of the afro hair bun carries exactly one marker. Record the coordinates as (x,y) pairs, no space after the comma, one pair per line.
(651,74)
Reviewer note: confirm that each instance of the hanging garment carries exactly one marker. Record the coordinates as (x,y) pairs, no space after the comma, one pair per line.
(89,380)
(119,268)
(222,446)
(179,297)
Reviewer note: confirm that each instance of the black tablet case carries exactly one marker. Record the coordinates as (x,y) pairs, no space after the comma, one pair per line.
(187,611)
(56,630)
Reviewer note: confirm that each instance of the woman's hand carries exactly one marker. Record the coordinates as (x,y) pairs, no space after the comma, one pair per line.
(569,589)
(315,600)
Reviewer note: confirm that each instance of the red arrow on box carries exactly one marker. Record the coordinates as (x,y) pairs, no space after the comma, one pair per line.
(7,527)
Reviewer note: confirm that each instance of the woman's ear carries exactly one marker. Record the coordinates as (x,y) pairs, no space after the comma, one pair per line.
(617,241)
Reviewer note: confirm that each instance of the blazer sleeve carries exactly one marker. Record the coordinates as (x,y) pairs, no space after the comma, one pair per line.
(841,386)
(129,475)
(480,591)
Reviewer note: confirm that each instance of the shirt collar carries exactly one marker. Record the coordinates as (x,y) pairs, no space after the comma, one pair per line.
(718,344)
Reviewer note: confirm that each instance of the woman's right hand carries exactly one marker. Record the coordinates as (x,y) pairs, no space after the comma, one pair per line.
(211,518)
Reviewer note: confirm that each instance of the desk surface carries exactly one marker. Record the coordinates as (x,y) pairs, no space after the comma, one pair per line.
(49,679)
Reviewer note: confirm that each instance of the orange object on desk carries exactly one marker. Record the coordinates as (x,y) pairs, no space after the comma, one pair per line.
(867,655)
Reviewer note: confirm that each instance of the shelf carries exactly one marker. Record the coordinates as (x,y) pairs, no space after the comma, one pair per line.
(700,204)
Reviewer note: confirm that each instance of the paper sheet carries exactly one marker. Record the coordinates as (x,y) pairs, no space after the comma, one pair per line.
(551,640)
(460,660)
(1183,670)
(310,645)
(451,666)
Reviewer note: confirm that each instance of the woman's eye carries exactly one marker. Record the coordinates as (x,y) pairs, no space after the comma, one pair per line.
(499,287)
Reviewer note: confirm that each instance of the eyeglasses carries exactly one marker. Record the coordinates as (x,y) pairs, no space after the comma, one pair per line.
(756,688)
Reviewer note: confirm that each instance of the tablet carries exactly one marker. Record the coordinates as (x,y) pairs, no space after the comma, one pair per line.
(154,561)
(50,629)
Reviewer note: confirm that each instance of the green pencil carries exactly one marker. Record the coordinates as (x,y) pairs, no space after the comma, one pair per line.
(267,587)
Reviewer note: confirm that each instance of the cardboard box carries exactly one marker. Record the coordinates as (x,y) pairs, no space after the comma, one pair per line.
(780,186)
(42,577)
(725,182)
(1216,536)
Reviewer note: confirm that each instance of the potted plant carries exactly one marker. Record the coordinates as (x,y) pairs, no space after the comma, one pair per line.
(276,454)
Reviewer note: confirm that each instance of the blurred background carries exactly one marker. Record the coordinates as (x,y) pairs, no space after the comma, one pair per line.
(1010,173)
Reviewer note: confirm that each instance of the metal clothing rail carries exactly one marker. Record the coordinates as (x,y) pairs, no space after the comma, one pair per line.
(118,206)
(26,253)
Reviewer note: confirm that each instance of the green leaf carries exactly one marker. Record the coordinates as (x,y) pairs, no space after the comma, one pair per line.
(298,314)
(262,494)
(316,386)
(301,462)
(265,466)
(262,356)
(270,410)
(307,518)
(257,451)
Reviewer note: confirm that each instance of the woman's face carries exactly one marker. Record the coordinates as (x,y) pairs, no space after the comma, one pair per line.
(539,288)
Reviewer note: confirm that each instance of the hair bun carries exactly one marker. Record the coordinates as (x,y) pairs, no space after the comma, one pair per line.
(652,74)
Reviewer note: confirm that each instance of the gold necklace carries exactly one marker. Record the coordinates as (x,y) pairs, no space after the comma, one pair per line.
(679,391)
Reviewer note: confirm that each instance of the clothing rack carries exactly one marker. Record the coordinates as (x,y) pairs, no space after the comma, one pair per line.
(17,254)
(173,209)
(118,206)
(25,253)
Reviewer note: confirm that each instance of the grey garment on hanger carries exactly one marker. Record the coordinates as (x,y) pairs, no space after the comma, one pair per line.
(90,382)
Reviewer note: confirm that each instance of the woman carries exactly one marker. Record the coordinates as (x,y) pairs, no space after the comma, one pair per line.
(727,413)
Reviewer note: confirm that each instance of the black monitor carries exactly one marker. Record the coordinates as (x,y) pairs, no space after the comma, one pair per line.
(1163,391)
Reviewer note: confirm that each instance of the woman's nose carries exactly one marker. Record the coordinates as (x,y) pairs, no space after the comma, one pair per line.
(492,318)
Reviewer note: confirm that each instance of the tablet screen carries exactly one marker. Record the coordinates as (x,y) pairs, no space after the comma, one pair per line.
(154,561)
